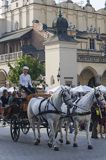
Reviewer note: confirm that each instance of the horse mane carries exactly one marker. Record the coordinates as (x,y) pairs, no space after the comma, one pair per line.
(54,95)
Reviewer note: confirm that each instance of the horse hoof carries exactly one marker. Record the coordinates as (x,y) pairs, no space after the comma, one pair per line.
(75,145)
(67,142)
(90,147)
(60,140)
(50,145)
(56,148)
(37,142)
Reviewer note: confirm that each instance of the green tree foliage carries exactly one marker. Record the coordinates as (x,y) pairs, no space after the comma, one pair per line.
(35,69)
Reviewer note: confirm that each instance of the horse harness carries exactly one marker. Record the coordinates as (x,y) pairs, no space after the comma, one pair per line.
(46,110)
(41,113)
(74,113)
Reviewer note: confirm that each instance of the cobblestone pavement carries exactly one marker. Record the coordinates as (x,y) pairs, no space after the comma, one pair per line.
(25,150)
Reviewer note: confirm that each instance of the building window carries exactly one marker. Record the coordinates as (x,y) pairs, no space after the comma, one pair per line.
(92,43)
(68,83)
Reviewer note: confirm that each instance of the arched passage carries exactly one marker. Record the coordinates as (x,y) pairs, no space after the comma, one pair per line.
(3,76)
(103,79)
(87,77)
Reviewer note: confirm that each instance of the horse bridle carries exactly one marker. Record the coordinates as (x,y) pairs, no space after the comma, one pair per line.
(85,109)
(65,100)
(76,106)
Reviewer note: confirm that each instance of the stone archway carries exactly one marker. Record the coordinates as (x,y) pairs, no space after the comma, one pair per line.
(88,77)
(3,76)
(103,79)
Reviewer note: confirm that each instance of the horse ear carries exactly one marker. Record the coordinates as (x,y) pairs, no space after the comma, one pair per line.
(62,88)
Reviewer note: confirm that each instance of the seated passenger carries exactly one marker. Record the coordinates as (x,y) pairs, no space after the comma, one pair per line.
(13,98)
(4,98)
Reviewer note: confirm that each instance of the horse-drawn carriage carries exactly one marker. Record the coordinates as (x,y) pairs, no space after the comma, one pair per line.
(50,110)
(15,115)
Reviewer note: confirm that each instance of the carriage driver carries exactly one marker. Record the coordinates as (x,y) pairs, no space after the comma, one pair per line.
(25,81)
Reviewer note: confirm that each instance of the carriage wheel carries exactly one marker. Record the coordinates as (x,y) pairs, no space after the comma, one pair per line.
(15,128)
(25,126)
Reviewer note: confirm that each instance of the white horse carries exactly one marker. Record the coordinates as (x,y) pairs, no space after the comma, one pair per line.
(48,110)
(82,113)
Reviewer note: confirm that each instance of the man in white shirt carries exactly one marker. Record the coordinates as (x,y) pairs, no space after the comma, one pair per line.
(25,81)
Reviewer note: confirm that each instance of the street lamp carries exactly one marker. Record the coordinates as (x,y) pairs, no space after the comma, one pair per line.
(58,75)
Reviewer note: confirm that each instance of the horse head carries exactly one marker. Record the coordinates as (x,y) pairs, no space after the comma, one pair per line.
(99,98)
(66,95)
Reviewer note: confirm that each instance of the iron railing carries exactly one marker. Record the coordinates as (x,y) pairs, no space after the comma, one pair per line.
(10,57)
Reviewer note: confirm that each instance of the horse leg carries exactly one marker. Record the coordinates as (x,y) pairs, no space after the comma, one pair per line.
(32,123)
(52,139)
(32,120)
(67,129)
(39,135)
(88,135)
(34,132)
(60,129)
(56,125)
(56,128)
(50,142)
(75,134)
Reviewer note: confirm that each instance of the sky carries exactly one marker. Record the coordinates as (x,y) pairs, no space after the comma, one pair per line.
(97,4)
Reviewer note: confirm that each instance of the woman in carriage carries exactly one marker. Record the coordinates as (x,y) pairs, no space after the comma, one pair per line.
(4,98)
